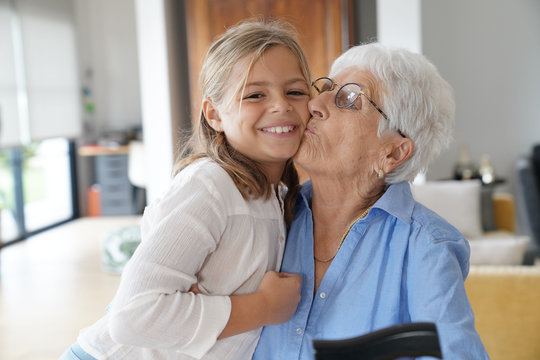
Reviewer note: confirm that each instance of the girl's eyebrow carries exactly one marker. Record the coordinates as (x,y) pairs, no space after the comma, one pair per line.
(288,82)
(294,80)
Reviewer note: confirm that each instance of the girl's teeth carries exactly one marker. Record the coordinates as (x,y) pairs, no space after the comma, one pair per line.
(280,129)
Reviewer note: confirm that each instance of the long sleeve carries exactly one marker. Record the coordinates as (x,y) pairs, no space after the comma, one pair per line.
(201,231)
(436,274)
(153,307)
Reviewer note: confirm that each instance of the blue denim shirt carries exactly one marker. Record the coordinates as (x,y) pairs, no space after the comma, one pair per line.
(401,263)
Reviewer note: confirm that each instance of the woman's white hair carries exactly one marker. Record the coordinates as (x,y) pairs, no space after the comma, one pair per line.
(414,96)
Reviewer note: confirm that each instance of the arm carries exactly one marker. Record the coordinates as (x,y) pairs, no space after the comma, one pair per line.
(153,307)
(436,292)
(273,303)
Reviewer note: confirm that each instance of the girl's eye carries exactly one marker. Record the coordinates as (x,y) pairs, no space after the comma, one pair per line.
(254,96)
(296,93)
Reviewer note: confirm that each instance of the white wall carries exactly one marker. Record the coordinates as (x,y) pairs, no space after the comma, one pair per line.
(399,24)
(109,63)
(155,94)
(489,51)
(124,61)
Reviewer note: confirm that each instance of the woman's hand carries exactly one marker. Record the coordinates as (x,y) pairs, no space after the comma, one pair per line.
(281,294)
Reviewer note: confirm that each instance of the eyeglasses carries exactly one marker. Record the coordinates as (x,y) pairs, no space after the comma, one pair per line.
(347,95)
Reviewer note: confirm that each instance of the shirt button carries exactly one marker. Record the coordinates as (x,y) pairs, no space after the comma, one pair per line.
(281,238)
(322,295)
(299,331)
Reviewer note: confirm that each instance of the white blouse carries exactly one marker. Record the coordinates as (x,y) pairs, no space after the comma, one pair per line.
(201,231)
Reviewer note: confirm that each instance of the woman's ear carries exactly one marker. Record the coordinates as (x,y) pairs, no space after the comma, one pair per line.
(211,114)
(398,153)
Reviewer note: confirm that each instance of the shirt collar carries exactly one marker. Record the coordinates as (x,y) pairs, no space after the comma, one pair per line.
(306,193)
(397,200)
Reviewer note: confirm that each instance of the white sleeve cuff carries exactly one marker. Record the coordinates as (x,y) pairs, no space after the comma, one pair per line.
(215,313)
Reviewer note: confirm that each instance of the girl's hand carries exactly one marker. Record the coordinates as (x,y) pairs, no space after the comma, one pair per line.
(273,303)
(194,289)
(281,294)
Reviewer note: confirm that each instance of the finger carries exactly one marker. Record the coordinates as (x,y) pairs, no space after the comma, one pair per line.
(289,275)
(194,289)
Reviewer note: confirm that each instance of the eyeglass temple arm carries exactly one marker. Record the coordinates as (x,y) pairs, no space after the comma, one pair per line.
(382,113)
(376,106)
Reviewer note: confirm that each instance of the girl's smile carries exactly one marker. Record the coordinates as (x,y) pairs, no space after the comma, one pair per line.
(266,119)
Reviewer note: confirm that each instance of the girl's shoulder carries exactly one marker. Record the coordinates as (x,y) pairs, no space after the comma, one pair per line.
(204,168)
(205,182)
(202,183)
(207,175)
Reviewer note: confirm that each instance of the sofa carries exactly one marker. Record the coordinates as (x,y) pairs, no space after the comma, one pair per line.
(485,218)
(504,294)
(505,301)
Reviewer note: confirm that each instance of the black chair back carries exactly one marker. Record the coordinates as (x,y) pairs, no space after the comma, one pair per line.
(404,340)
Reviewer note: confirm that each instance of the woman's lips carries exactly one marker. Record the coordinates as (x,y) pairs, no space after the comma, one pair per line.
(309,129)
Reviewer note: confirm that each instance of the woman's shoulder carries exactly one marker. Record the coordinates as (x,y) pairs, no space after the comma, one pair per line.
(434,235)
(433,225)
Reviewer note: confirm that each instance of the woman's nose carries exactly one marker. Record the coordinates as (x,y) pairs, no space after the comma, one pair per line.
(317,107)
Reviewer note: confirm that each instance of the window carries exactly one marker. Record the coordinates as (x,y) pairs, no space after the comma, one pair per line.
(37,188)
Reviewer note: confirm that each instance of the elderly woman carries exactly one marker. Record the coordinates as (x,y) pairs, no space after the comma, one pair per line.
(370,256)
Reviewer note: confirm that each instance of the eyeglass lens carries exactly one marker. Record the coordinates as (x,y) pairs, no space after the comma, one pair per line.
(345,97)
(323,84)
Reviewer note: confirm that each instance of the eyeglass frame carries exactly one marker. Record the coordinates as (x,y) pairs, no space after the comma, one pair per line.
(350,103)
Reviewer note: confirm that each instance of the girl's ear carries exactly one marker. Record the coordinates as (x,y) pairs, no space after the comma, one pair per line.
(211,114)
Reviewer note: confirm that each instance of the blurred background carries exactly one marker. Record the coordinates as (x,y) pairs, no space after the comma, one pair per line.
(84,81)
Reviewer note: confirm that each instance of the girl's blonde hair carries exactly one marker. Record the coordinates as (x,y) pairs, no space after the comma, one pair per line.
(250,38)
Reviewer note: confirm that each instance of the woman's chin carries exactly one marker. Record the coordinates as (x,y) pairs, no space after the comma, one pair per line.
(305,154)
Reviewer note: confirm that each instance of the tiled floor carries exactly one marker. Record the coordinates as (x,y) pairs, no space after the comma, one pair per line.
(52,285)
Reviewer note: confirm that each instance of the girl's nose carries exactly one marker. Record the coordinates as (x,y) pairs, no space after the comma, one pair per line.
(281,104)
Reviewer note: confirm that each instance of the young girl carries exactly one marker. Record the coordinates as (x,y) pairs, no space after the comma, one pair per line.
(221,224)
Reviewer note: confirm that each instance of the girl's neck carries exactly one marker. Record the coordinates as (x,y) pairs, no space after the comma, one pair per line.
(273,172)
